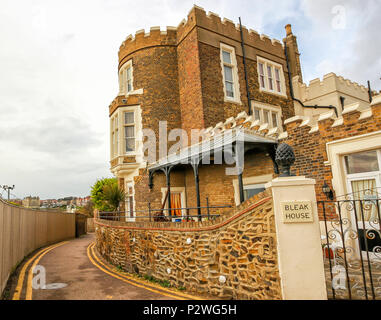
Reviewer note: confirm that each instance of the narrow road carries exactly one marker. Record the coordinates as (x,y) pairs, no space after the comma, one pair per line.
(74,271)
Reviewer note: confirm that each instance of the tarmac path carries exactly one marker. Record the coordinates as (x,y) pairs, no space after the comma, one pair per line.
(73,271)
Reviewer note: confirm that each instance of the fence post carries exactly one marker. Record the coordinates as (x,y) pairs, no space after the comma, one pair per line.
(300,256)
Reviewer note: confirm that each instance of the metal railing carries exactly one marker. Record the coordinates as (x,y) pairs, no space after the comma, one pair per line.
(158,215)
(351,245)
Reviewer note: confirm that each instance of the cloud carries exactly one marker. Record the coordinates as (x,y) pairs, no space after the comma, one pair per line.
(347,34)
(58,63)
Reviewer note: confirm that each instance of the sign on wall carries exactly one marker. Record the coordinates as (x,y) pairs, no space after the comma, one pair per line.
(297,211)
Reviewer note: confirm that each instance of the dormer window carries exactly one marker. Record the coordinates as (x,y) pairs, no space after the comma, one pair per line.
(126,78)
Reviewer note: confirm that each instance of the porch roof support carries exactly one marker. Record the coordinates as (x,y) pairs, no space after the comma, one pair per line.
(195,165)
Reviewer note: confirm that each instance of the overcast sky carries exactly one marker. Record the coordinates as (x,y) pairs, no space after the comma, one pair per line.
(58,72)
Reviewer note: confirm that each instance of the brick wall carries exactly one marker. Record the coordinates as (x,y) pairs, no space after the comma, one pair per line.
(309,142)
(191,104)
(215,108)
(241,247)
(180,72)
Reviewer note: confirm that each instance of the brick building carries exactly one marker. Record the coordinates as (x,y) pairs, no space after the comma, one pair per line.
(233,87)
(31,202)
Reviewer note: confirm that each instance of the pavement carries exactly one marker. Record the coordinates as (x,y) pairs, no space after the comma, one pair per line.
(72,270)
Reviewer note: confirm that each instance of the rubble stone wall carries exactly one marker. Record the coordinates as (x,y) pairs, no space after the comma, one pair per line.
(239,248)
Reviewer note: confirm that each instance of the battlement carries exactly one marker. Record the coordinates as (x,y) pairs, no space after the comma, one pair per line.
(197,16)
(330,83)
(213,22)
(155,37)
(325,123)
(329,125)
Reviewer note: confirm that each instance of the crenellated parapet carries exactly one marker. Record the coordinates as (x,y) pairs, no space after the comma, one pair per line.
(243,122)
(330,83)
(227,27)
(172,36)
(354,120)
(141,40)
(327,124)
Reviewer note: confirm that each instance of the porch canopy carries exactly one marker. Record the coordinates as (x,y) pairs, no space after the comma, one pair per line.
(228,145)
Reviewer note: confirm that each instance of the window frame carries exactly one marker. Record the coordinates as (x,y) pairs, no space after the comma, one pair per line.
(125,125)
(254,186)
(273,66)
(361,174)
(257,106)
(123,78)
(233,65)
(114,128)
(129,196)
(183,197)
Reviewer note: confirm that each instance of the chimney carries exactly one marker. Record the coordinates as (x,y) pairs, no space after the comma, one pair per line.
(288,30)
(293,53)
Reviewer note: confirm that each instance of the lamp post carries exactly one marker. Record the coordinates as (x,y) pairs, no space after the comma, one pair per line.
(5,187)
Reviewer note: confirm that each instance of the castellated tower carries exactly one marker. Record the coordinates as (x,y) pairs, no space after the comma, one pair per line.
(193,77)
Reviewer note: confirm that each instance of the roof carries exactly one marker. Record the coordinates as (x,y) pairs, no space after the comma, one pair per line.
(218,142)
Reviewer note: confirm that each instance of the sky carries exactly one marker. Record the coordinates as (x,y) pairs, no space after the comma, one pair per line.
(58,72)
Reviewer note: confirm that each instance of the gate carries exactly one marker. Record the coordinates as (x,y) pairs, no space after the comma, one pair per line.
(351,244)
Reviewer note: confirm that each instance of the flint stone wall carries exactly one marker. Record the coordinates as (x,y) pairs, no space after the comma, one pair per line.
(240,246)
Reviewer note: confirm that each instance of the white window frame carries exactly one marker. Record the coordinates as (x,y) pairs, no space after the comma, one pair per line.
(233,65)
(273,65)
(253,186)
(124,125)
(250,181)
(123,88)
(351,177)
(118,149)
(363,175)
(114,129)
(180,190)
(261,107)
(129,185)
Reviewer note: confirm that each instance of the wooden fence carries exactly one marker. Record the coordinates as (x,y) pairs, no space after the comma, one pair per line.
(24,230)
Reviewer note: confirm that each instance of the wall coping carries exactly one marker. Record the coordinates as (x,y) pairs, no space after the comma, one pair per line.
(184,228)
(290,181)
(34,209)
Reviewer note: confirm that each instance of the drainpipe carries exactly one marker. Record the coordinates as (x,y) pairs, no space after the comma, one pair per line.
(342,102)
(370,92)
(292,91)
(244,66)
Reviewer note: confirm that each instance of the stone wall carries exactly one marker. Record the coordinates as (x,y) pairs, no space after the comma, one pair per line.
(240,246)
